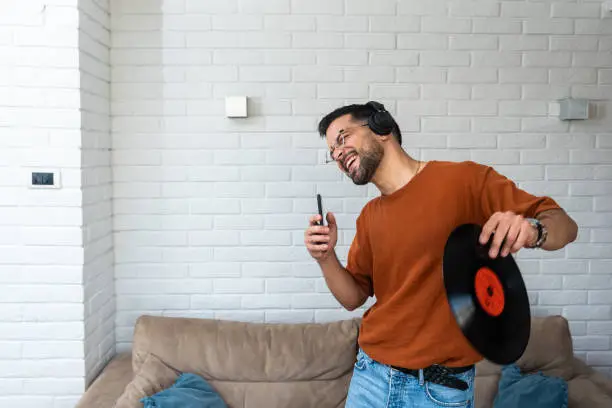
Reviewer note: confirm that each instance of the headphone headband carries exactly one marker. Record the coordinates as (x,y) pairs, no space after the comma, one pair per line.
(379,107)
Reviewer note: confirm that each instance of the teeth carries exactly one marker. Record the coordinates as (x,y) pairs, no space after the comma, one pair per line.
(350,161)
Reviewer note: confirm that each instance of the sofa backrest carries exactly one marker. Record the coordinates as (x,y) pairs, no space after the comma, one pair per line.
(549,349)
(251,364)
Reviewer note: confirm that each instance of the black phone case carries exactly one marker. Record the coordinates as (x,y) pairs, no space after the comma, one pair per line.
(320,205)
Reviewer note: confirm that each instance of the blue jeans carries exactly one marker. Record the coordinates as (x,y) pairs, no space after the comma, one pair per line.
(375,385)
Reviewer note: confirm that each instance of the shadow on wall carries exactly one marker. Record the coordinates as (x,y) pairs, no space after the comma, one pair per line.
(140,70)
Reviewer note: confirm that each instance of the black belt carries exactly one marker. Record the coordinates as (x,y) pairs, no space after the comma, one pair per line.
(440,375)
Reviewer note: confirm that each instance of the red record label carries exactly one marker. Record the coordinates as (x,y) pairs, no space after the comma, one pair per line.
(489,291)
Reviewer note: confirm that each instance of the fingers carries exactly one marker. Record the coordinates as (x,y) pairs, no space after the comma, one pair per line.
(489,228)
(317,245)
(314,220)
(331,219)
(499,236)
(317,230)
(522,238)
(319,239)
(512,235)
(316,237)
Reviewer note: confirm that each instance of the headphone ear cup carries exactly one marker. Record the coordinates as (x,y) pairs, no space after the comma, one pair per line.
(380,121)
(373,124)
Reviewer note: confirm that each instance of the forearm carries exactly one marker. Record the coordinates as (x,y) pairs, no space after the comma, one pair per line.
(342,284)
(562,229)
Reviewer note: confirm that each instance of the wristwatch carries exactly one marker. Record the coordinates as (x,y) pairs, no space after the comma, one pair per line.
(542,232)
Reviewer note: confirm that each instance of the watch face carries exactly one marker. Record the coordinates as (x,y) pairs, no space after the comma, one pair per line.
(543,236)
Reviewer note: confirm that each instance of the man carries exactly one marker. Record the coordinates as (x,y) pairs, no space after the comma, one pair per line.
(396,256)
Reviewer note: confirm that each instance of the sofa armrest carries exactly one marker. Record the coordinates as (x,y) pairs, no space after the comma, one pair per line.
(584,393)
(588,388)
(582,370)
(110,384)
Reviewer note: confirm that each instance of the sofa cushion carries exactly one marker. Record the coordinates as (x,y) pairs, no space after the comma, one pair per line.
(550,348)
(518,389)
(256,364)
(485,390)
(284,394)
(153,376)
(188,391)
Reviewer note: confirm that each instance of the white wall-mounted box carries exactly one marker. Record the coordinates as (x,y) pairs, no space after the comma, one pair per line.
(236,107)
(573,109)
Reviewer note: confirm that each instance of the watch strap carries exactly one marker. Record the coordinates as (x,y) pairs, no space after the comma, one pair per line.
(542,233)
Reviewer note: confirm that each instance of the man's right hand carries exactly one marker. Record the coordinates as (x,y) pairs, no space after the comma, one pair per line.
(321,240)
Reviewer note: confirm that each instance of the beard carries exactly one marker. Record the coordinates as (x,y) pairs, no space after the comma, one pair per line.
(369,159)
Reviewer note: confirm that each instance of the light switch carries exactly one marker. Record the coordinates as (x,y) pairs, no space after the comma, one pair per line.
(236,106)
(44,179)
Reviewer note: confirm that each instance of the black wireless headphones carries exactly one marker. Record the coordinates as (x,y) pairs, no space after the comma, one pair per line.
(380,121)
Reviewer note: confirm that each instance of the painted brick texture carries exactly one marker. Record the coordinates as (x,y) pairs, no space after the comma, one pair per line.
(167,207)
(96,178)
(57,307)
(41,323)
(210,211)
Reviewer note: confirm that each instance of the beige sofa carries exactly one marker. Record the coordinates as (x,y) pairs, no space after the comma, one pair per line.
(300,365)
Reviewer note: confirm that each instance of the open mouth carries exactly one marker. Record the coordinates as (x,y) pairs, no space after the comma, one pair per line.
(350,162)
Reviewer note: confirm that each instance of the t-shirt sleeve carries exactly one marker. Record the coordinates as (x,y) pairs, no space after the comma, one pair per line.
(498,193)
(359,260)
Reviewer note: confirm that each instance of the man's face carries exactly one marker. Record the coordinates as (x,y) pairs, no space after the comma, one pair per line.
(360,154)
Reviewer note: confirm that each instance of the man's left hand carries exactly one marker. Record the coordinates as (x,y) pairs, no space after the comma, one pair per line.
(511,230)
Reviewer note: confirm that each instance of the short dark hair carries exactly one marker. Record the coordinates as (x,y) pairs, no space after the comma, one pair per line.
(357,112)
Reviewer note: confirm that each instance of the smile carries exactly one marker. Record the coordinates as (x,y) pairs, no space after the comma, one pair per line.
(349,161)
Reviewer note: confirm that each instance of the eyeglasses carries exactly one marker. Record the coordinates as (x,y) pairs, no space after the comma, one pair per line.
(344,133)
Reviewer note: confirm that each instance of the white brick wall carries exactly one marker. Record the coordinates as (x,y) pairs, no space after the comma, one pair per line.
(57,313)
(98,277)
(209,211)
(41,318)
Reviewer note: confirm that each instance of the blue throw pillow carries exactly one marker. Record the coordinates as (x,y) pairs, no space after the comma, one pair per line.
(188,391)
(517,390)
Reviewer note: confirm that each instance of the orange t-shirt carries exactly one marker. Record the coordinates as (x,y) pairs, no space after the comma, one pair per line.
(396,256)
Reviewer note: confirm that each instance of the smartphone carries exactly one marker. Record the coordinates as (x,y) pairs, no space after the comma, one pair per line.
(322,222)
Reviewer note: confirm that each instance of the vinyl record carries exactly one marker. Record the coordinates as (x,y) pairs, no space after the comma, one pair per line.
(488,297)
